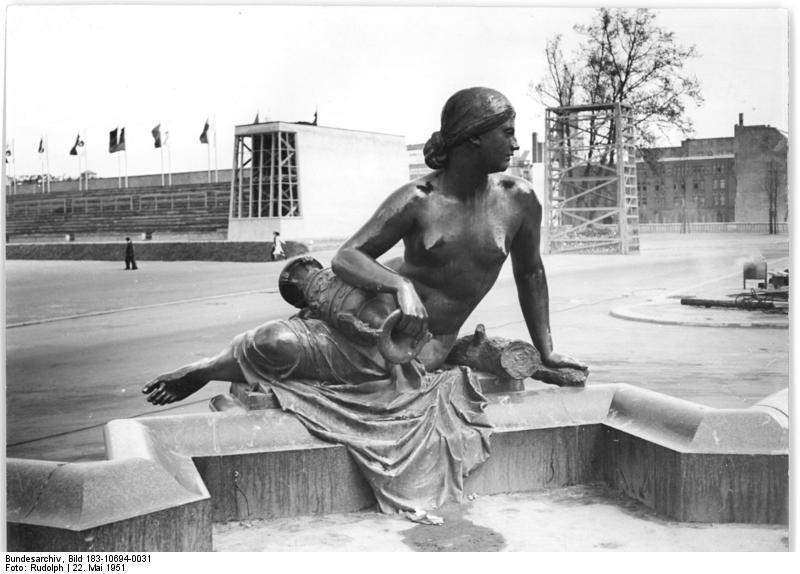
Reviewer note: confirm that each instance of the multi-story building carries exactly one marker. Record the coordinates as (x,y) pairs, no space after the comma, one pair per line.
(716,179)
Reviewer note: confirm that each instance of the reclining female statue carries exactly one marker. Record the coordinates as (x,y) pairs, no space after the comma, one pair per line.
(458,225)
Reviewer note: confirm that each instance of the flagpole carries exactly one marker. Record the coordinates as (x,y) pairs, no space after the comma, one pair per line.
(41,170)
(47,161)
(86,161)
(161,152)
(78,158)
(169,159)
(119,171)
(14,166)
(126,166)
(208,157)
(216,167)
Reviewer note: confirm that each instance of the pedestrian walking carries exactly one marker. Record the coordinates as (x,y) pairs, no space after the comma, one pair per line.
(130,256)
(278,251)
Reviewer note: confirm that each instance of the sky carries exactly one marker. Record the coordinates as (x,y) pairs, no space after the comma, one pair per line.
(387,69)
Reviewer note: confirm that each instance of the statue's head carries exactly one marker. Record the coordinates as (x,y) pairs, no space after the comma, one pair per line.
(293,278)
(469,112)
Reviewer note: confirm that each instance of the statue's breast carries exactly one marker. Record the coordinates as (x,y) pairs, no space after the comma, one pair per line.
(480,242)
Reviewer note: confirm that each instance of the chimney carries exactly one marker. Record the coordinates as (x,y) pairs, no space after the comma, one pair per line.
(741,119)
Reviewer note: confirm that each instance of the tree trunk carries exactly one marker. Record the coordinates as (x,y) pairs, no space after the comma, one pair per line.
(510,359)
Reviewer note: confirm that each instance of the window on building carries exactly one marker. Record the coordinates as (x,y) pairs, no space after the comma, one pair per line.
(722,184)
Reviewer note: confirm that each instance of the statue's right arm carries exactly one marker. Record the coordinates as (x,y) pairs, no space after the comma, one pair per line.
(356,261)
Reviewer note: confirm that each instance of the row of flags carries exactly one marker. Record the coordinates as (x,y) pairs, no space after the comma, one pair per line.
(116,140)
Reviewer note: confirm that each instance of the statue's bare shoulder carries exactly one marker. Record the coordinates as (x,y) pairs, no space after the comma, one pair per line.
(518,190)
(412,195)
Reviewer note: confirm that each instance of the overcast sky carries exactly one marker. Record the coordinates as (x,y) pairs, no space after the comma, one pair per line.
(383,69)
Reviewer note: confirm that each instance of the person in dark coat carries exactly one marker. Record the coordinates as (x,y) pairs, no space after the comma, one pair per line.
(130,257)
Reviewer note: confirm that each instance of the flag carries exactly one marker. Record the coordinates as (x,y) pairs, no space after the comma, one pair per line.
(166,138)
(156,131)
(114,144)
(112,141)
(204,135)
(78,144)
(41,145)
(315,118)
(8,153)
(255,121)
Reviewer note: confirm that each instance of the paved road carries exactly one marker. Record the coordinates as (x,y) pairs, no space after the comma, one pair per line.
(115,330)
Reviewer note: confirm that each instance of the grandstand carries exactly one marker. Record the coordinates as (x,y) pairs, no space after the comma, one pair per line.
(180,212)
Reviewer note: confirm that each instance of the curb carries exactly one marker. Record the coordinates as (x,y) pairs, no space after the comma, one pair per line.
(632,313)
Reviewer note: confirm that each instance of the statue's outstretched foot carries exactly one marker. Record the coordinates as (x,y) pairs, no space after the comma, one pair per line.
(174,386)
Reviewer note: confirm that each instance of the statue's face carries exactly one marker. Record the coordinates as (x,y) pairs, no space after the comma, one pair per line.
(497,146)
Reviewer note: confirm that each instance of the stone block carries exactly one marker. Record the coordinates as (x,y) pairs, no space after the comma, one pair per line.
(697,487)
(301,482)
(97,504)
(231,434)
(535,459)
(551,407)
(185,528)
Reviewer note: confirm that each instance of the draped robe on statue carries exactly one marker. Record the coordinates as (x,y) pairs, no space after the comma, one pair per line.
(415,435)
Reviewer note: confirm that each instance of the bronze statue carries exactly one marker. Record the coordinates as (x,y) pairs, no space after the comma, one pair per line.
(458,225)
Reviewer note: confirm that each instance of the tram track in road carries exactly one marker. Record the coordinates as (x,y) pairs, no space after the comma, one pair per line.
(138,308)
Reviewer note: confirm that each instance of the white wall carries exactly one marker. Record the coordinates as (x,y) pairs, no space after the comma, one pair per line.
(343,176)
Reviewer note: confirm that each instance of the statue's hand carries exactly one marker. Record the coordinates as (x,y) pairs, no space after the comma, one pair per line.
(559,361)
(415,317)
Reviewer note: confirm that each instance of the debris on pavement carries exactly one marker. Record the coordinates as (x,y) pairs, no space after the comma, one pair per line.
(423,517)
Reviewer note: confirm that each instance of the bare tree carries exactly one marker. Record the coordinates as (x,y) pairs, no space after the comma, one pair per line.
(773,183)
(624,56)
(559,85)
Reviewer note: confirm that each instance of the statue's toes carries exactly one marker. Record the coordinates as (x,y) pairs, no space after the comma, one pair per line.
(157,384)
(159,397)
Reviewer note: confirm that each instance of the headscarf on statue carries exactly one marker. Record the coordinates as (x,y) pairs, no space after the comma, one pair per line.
(467,113)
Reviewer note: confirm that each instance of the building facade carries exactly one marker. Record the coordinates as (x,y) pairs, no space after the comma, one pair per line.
(730,179)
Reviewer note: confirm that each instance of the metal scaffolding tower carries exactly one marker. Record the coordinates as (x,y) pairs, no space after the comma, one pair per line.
(591,202)
(264,182)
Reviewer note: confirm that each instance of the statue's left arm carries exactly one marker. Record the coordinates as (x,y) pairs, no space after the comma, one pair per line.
(356,260)
(531,281)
